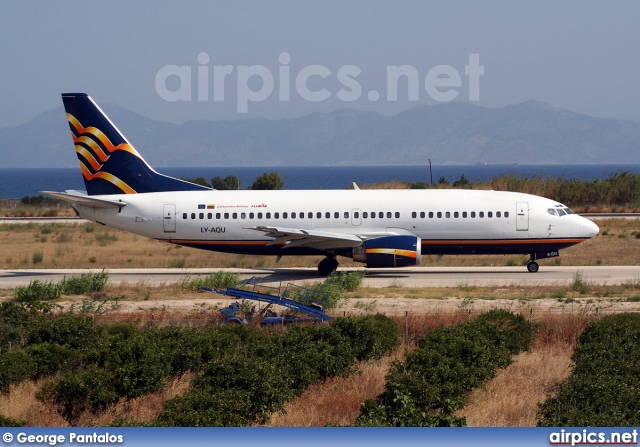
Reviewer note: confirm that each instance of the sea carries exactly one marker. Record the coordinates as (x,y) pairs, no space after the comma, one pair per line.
(16,183)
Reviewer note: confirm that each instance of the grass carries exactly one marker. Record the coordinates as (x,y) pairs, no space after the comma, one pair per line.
(72,246)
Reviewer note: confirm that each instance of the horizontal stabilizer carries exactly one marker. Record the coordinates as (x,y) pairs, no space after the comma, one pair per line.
(82,198)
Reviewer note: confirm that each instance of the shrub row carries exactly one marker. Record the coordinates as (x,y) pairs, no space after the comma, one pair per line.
(38,290)
(244,388)
(431,384)
(94,366)
(603,388)
(216,280)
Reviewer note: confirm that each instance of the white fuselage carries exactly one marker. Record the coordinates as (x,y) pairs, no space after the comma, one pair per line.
(447,221)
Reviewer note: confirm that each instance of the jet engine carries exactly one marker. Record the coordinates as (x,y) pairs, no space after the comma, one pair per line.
(390,251)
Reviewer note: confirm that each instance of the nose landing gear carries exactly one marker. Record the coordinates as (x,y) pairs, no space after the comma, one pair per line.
(532,266)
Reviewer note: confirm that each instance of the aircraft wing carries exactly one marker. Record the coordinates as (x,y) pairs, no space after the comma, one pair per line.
(79,197)
(321,240)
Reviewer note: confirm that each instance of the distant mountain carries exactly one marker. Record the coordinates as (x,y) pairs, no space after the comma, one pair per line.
(526,133)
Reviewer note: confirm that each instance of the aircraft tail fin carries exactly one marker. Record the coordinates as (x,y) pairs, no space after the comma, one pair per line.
(109,163)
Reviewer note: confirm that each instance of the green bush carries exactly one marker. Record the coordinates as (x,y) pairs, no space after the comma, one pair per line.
(51,358)
(373,336)
(334,286)
(217,280)
(67,330)
(75,392)
(603,388)
(86,283)
(15,366)
(8,422)
(37,291)
(16,319)
(517,330)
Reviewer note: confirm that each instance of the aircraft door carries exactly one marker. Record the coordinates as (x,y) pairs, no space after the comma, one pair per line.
(356,217)
(522,216)
(169,218)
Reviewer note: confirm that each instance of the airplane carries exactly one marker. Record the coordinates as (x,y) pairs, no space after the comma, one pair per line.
(379,228)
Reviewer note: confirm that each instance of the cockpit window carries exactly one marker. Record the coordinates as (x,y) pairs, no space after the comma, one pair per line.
(568,211)
(552,211)
(561,212)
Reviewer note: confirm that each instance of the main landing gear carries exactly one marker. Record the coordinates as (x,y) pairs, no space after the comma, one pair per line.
(327,266)
(532,266)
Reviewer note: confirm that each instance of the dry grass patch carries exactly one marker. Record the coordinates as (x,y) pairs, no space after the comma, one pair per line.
(511,398)
(88,245)
(336,401)
(20,403)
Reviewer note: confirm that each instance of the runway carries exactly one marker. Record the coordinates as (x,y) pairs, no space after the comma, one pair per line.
(406,277)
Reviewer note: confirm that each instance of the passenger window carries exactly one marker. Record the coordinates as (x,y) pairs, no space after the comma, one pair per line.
(327,215)
(439,214)
(490,214)
(481,214)
(259,215)
(373,215)
(464,214)
(218,216)
(447,214)
(414,214)
(243,215)
(498,214)
(209,216)
(346,214)
(506,214)
(301,215)
(285,215)
(365,214)
(473,214)
(226,215)
(456,215)
(397,215)
(276,215)
(336,215)
(310,215)
(293,216)
(380,214)
(184,215)
(422,214)
(235,215)
(268,215)
(193,215)
(251,215)
(356,215)
(430,214)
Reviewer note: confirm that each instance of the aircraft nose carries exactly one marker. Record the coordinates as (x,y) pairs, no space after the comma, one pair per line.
(588,228)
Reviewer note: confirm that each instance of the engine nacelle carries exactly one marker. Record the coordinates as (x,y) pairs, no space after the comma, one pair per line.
(390,251)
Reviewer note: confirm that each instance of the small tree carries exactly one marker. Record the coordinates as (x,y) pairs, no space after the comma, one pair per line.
(268,181)
(229,182)
(198,181)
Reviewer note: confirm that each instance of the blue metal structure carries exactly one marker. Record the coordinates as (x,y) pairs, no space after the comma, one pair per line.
(296,298)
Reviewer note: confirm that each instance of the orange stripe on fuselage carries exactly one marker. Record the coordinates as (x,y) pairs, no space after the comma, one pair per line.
(499,241)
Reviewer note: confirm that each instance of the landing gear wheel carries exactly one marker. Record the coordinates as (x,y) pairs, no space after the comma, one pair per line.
(327,266)
(533,267)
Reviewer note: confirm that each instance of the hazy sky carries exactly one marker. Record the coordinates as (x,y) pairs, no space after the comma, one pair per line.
(291,58)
